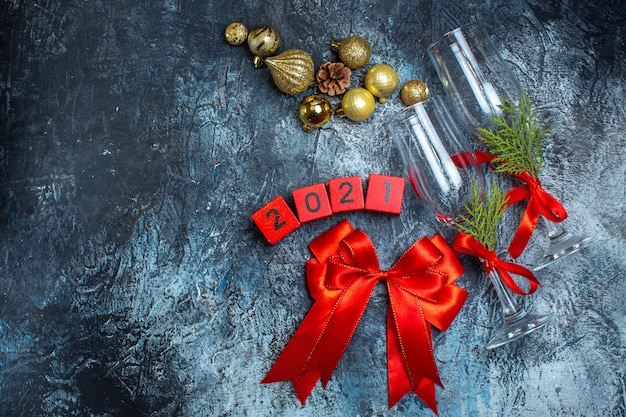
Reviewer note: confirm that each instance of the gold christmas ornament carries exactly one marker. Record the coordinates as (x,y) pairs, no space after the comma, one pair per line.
(414,91)
(292,71)
(381,80)
(263,41)
(314,111)
(357,104)
(236,33)
(355,51)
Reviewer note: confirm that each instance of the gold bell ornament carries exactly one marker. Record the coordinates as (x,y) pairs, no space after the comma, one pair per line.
(263,41)
(355,51)
(314,111)
(357,104)
(292,71)
(381,80)
(414,91)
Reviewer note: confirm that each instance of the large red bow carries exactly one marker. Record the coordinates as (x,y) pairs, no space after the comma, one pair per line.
(341,279)
(464,243)
(540,202)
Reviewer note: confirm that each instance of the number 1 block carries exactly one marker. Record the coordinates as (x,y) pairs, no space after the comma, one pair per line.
(346,194)
(384,194)
(275,220)
(312,202)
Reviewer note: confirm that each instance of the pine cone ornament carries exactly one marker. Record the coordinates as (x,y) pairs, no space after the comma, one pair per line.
(333,78)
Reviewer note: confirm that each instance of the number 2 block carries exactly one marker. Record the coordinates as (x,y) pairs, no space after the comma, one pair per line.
(312,202)
(275,220)
(384,194)
(346,194)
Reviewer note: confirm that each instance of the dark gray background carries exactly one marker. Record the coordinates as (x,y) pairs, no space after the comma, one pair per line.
(136,143)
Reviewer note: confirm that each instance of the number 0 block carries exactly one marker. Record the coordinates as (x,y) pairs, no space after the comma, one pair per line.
(312,202)
(275,220)
(384,194)
(346,194)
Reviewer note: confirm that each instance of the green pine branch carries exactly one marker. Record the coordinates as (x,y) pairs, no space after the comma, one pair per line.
(483,215)
(516,141)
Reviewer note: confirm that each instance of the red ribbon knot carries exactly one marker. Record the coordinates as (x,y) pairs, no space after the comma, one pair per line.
(540,203)
(464,243)
(341,278)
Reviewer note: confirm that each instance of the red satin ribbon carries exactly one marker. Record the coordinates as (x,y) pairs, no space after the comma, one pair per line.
(540,203)
(464,243)
(341,279)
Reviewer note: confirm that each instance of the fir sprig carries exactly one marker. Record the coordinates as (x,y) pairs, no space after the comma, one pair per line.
(483,215)
(516,141)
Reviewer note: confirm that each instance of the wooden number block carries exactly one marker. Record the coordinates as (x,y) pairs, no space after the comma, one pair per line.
(346,194)
(312,202)
(384,194)
(275,220)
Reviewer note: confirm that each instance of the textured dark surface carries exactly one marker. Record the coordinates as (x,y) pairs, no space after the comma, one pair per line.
(135,143)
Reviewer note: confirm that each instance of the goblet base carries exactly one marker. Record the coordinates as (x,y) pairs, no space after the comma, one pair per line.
(561,246)
(516,326)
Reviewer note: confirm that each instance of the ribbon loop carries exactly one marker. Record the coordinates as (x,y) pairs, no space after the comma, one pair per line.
(341,279)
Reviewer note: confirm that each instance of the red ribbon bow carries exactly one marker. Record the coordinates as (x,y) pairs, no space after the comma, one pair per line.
(464,243)
(341,279)
(540,202)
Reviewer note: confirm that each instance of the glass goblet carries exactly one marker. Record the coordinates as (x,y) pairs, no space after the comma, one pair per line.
(476,79)
(442,171)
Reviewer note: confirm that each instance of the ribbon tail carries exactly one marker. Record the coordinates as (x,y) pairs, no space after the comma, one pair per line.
(525,229)
(339,329)
(427,393)
(504,268)
(413,343)
(291,363)
(398,381)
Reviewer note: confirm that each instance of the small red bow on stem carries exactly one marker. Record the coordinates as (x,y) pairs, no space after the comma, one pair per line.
(464,243)
(341,279)
(540,202)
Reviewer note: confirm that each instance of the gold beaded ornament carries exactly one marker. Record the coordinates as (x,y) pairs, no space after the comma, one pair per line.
(413,91)
(355,51)
(236,33)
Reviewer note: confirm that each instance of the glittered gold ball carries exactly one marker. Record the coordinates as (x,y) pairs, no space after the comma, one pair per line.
(414,91)
(314,111)
(355,51)
(264,41)
(381,80)
(236,33)
(357,104)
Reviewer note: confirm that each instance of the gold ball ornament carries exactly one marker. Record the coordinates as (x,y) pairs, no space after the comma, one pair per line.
(381,80)
(355,51)
(292,71)
(314,111)
(414,91)
(263,41)
(236,33)
(357,104)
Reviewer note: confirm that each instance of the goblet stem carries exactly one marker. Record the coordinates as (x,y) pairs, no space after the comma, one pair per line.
(562,243)
(517,321)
